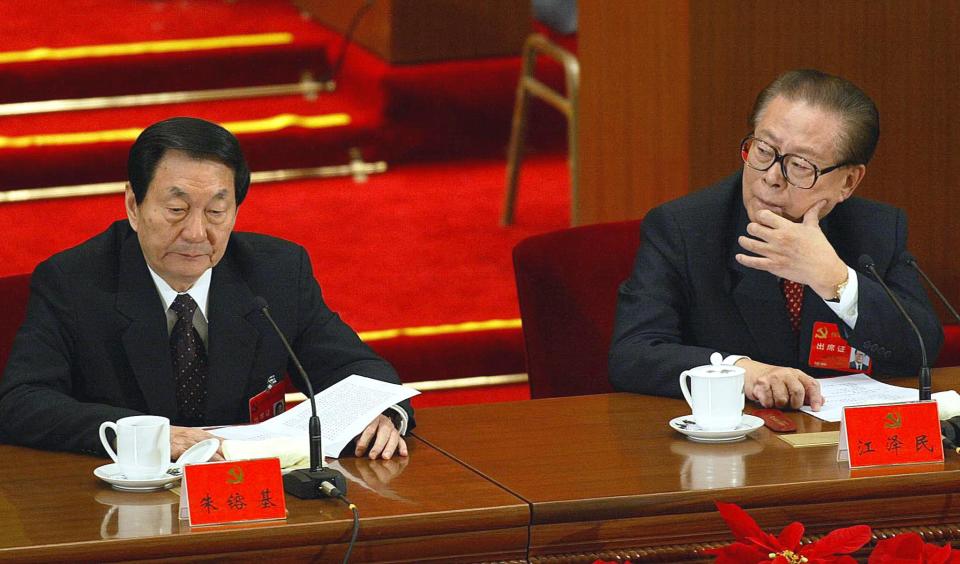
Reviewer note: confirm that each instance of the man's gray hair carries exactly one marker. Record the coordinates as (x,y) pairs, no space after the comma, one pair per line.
(860,119)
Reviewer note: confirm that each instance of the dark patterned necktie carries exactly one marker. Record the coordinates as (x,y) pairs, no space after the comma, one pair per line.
(793,293)
(189,362)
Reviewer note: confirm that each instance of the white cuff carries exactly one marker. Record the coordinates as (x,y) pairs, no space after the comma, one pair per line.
(404,419)
(732,359)
(717,359)
(846,309)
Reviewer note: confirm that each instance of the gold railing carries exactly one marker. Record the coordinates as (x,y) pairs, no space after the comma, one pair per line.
(357,168)
(308,87)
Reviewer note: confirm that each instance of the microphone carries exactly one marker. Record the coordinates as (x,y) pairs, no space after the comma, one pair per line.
(912,261)
(306,483)
(866,263)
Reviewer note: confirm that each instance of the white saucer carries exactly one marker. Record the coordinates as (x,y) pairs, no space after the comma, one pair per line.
(200,452)
(110,474)
(688,426)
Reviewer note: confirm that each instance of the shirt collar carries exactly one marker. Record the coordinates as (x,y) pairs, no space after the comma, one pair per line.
(199,291)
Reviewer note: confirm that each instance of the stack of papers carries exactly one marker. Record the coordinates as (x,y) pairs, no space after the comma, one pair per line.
(856,389)
(345,409)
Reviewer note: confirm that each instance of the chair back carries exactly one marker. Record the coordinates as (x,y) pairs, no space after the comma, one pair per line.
(567,288)
(950,351)
(14,291)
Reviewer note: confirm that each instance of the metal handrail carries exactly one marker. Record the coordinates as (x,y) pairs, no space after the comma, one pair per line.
(359,169)
(568,105)
(307,86)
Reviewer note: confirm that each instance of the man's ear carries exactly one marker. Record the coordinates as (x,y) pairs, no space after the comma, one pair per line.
(130,203)
(852,177)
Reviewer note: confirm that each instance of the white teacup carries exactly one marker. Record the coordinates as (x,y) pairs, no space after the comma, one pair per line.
(715,395)
(143,445)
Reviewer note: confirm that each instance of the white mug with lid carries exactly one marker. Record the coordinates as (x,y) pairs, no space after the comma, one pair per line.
(715,395)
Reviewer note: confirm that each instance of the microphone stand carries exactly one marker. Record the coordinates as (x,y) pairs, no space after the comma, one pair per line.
(913,262)
(307,483)
(866,262)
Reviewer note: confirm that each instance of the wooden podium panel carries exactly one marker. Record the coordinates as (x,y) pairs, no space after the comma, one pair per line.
(605,474)
(426,507)
(416,31)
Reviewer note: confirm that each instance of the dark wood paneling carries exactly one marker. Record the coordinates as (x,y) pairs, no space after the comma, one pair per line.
(634,102)
(905,55)
(413,31)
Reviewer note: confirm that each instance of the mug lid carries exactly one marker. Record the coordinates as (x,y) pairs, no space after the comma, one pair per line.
(200,452)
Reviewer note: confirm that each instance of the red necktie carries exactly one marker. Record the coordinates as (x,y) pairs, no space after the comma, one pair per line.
(793,292)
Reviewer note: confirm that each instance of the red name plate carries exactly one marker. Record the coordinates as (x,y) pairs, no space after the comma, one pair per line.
(232,492)
(882,435)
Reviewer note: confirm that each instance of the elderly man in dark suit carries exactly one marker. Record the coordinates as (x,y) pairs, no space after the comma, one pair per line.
(157,314)
(763,263)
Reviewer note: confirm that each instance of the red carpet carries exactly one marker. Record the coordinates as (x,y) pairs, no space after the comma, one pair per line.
(76,23)
(446,110)
(419,245)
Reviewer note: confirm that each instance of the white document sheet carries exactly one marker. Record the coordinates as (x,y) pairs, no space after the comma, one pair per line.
(856,389)
(345,409)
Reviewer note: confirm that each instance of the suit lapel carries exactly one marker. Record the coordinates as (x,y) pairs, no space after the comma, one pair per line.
(761,303)
(145,340)
(232,342)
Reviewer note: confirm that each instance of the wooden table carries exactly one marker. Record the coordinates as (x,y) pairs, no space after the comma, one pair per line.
(558,480)
(428,507)
(606,476)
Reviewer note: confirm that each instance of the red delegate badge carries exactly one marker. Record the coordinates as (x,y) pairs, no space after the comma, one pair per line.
(268,403)
(234,491)
(831,351)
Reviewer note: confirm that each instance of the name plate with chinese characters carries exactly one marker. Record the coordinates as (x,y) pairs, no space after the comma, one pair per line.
(233,492)
(888,434)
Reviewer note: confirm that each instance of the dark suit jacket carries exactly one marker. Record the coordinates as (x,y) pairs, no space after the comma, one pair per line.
(688,296)
(95,346)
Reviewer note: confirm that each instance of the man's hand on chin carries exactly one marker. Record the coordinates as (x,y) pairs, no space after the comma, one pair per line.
(381,439)
(182,438)
(796,251)
(778,386)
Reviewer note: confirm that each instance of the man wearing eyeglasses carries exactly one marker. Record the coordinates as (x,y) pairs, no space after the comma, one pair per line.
(761,266)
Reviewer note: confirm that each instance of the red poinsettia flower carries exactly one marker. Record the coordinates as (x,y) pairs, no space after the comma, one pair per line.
(909,548)
(754,546)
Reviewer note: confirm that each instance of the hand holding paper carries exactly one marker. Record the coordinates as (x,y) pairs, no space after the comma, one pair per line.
(345,410)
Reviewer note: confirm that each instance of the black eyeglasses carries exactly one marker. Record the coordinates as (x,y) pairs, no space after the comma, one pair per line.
(760,155)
